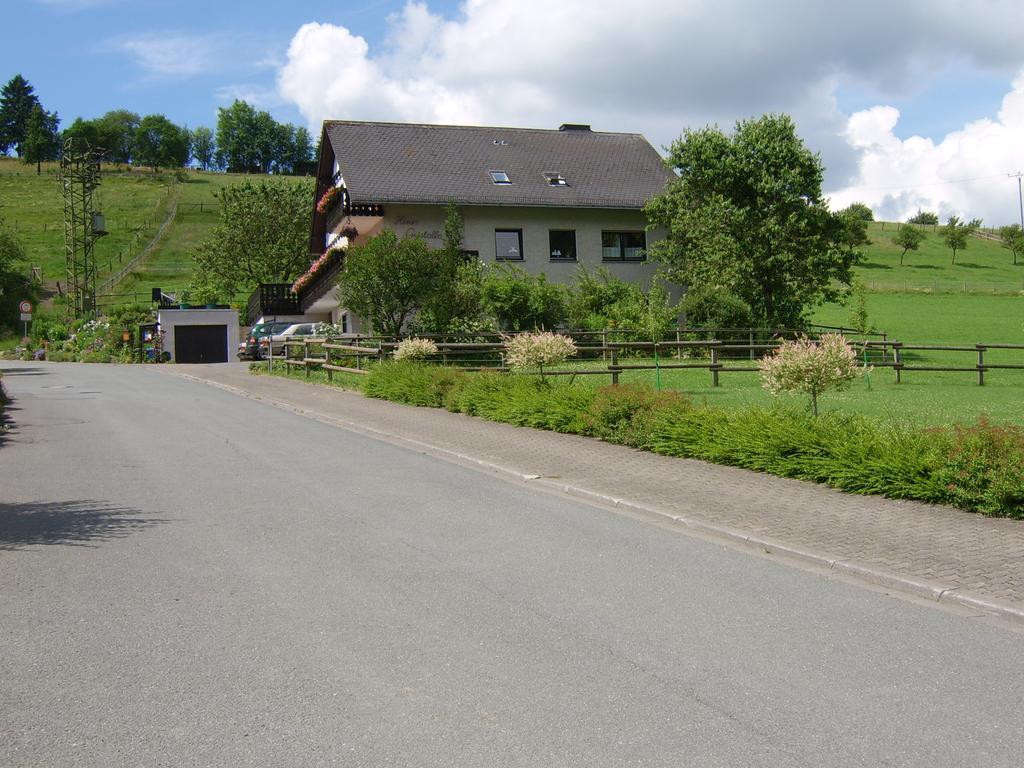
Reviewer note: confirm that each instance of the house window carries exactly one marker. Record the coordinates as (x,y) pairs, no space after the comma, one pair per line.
(555,180)
(623,246)
(500,177)
(508,244)
(562,244)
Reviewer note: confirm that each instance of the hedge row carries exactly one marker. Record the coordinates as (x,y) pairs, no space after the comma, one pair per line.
(978,468)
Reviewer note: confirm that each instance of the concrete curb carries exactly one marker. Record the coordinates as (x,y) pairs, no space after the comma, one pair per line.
(931,591)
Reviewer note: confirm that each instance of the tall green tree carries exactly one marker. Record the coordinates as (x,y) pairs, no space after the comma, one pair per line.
(262,237)
(387,280)
(42,138)
(746,214)
(160,143)
(17,99)
(117,131)
(203,147)
(86,130)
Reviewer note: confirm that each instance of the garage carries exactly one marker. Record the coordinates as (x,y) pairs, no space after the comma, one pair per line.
(193,335)
(201,343)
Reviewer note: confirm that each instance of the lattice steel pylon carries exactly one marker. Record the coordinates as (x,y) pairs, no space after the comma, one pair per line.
(79,178)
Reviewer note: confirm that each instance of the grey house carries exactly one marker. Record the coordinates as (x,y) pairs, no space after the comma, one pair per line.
(546,200)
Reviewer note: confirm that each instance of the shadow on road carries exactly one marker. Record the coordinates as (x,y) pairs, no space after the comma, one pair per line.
(72,523)
(21,370)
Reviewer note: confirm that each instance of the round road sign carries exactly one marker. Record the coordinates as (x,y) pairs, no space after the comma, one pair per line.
(25,306)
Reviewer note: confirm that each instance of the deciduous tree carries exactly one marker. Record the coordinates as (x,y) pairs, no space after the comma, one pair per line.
(747,214)
(42,139)
(955,233)
(923,217)
(909,238)
(262,237)
(387,279)
(1012,238)
(161,143)
(202,147)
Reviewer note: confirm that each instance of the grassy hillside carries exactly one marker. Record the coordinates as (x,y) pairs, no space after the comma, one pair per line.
(135,203)
(984,267)
(31,205)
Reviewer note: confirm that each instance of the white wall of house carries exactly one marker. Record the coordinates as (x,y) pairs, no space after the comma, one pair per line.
(536,224)
(481,222)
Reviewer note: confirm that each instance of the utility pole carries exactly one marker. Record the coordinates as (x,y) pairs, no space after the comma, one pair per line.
(1020,198)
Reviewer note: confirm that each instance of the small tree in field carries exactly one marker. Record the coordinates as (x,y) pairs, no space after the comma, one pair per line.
(909,238)
(1013,240)
(955,234)
(810,367)
(526,351)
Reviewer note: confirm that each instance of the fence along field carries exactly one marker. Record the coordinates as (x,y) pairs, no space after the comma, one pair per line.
(920,383)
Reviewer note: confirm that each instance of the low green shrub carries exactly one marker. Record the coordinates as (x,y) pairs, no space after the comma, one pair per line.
(625,413)
(525,401)
(983,468)
(411,383)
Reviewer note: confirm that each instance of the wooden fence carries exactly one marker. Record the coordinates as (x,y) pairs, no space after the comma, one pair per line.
(612,359)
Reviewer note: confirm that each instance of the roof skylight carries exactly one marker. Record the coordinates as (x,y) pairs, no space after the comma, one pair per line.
(556,180)
(500,177)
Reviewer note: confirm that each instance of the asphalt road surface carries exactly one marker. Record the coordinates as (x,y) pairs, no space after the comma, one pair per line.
(192,578)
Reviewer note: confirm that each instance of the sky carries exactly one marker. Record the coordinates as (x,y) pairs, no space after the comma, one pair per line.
(911,104)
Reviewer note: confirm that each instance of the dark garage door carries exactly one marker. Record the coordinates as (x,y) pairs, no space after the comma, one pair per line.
(200,344)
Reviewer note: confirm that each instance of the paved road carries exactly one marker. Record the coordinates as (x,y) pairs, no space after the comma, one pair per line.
(175,593)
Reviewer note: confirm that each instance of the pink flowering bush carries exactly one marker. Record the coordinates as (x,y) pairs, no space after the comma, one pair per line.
(811,367)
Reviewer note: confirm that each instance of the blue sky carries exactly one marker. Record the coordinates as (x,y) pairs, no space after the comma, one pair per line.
(902,100)
(85,57)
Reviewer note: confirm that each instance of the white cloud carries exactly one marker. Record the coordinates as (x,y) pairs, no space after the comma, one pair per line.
(654,66)
(171,55)
(964,174)
(182,55)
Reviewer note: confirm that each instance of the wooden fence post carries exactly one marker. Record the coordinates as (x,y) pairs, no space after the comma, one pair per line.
(981,364)
(751,336)
(714,363)
(614,362)
(305,356)
(897,360)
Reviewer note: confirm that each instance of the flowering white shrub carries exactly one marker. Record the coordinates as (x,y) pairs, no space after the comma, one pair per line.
(810,367)
(415,349)
(535,350)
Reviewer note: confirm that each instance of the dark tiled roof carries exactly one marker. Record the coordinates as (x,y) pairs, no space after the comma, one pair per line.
(398,162)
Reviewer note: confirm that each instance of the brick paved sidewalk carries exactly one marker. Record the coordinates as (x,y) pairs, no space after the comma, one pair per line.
(937,552)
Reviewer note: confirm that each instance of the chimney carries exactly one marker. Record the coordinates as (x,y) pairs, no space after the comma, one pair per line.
(574,127)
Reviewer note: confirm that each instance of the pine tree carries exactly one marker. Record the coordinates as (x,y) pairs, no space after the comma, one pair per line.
(17,100)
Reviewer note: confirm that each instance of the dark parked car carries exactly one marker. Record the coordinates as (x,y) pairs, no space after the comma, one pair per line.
(249,348)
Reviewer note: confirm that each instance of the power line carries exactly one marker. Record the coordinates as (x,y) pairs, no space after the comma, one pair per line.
(936,183)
